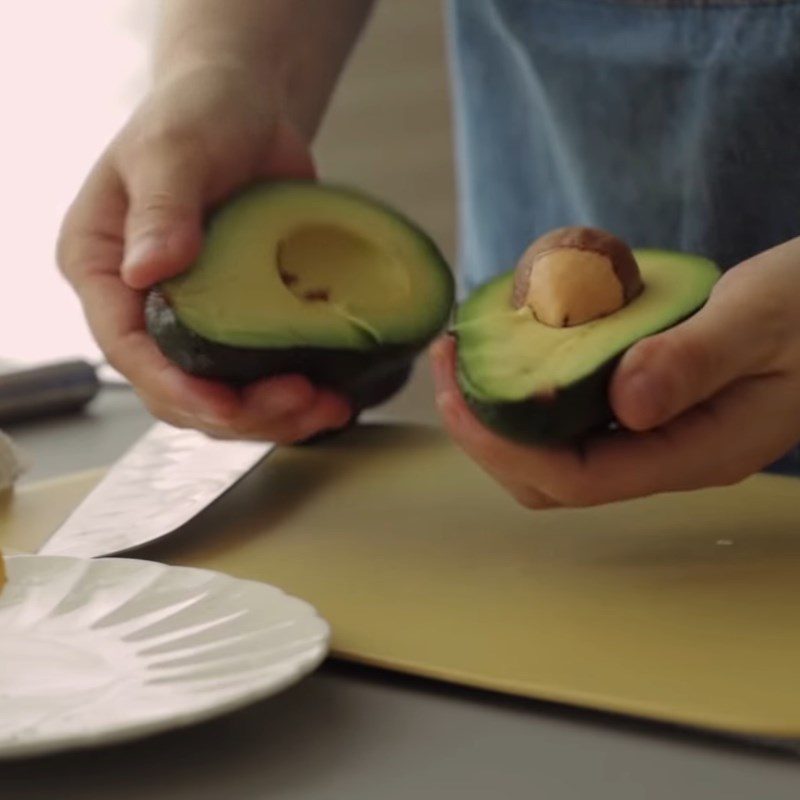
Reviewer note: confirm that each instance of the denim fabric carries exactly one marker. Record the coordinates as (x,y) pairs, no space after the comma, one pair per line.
(673,124)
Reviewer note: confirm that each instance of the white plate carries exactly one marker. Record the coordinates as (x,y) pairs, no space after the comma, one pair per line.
(104,650)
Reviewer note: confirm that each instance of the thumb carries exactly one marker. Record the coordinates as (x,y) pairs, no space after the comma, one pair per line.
(666,374)
(163,228)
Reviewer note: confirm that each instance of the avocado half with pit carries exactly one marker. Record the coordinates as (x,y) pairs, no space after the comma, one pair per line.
(306,278)
(537,346)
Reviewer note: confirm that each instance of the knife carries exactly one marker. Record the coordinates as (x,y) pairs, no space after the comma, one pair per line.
(168,477)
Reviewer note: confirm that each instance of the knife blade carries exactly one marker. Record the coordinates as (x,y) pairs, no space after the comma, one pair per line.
(168,477)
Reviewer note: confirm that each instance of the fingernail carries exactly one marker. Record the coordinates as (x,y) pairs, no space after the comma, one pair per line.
(142,250)
(443,344)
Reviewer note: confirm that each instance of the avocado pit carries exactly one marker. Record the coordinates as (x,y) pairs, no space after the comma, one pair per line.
(574,275)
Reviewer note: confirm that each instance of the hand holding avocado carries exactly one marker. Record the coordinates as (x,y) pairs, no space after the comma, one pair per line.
(137,220)
(238,92)
(705,403)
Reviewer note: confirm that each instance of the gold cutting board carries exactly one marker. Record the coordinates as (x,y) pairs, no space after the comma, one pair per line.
(682,607)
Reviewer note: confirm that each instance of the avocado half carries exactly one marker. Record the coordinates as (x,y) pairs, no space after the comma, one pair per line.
(544,385)
(306,278)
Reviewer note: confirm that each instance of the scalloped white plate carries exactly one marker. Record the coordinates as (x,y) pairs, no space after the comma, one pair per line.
(104,650)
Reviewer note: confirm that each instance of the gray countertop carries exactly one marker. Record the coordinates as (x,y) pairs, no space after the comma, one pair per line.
(354,733)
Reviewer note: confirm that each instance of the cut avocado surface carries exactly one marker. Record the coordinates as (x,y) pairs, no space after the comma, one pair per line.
(306,278)
(538,383)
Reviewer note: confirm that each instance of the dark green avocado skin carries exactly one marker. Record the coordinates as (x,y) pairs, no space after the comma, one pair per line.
(564,417)
(366,377)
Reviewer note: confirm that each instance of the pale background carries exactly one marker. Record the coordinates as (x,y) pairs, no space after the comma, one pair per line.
(70,73)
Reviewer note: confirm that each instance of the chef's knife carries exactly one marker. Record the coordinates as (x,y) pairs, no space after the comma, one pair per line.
(168,477)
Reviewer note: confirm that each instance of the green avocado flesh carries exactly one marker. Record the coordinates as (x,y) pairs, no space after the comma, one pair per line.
(309,278)
(537,383)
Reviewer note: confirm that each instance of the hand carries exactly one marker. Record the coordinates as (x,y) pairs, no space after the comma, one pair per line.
(706,403)
(138,219)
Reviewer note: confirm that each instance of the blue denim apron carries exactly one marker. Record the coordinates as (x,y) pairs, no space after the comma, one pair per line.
(673,124)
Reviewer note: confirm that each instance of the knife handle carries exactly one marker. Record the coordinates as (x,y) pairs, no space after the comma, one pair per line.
(46,390)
